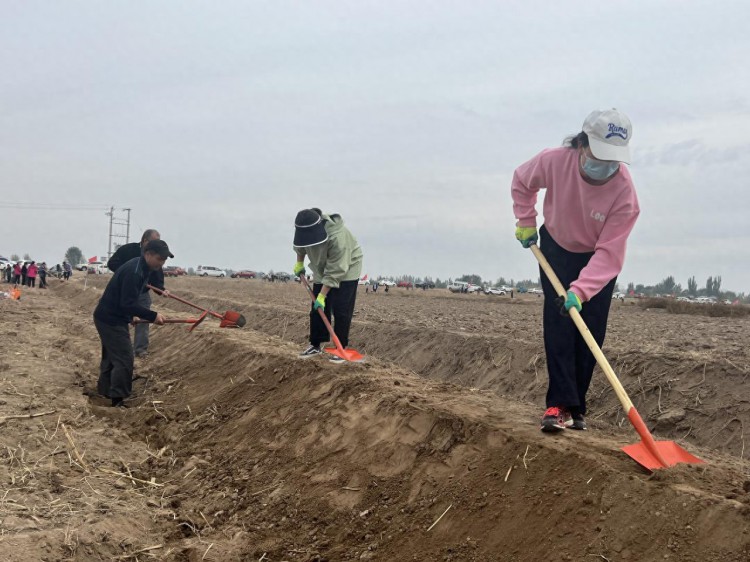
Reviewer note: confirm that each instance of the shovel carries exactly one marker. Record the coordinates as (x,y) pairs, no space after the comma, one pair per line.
(649,453)
(347,354)
(230,319)
(193,321)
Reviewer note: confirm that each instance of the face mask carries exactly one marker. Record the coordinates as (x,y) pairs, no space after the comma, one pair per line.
(599,170)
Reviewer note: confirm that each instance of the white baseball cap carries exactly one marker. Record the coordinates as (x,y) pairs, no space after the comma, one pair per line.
(609,133)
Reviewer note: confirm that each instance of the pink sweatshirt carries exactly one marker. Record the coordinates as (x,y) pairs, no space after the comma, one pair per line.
(579,216)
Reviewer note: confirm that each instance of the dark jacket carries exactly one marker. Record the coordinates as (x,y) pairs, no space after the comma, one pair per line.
(127,252)
(119,303)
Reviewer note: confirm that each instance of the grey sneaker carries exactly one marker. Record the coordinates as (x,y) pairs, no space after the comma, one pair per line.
(311,351)
(575,421)
(336,360)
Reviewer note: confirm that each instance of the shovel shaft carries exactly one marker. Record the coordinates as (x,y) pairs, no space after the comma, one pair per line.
(323,317)
(170,321)
(183,301)
(587,336)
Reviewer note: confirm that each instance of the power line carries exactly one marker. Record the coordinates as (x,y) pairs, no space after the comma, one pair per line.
(53,206)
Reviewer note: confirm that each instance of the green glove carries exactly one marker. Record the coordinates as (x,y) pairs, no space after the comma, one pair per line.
(573,301)
(526,235)
(320,302)
(299,268)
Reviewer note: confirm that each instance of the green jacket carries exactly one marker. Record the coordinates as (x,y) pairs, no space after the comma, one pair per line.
(337,259)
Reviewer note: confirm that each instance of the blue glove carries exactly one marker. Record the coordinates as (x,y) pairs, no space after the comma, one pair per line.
(526,235)
(320,302)
(572,301)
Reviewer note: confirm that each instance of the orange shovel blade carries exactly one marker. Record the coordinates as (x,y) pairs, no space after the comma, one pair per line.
(232,319)
(654,454)
(670,454)
(348,354)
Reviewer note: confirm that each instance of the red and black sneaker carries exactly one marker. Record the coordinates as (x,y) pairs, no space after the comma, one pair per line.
(553,420)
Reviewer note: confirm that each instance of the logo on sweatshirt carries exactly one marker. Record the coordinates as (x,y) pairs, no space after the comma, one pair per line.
(617,131)
(597,216)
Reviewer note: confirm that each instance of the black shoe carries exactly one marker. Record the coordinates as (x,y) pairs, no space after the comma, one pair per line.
(311,351)
(575,421)
(119,403)
(335,359)
(553,420)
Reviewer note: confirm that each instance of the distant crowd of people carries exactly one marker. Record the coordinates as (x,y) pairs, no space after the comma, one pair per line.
(25,273)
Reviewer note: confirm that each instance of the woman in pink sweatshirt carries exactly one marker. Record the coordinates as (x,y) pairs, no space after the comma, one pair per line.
(31,274)
(590,208)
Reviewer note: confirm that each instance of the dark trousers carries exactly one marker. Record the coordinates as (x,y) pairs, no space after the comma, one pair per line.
(116,368)
(16,279)
(31,281)
(340,304)
(140,337)
(42,280)
(570,363)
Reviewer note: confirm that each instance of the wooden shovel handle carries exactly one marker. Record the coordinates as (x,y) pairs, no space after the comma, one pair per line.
(587,336)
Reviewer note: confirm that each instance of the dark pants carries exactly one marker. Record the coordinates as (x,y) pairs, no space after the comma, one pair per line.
(16,279)
(31,281)
(42,280)
(570,363)
(140,338)
(340,303)
(116,368)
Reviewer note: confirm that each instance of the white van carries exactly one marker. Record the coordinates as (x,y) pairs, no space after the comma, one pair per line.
(210,271)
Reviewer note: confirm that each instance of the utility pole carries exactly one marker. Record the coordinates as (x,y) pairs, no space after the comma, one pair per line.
(117,221)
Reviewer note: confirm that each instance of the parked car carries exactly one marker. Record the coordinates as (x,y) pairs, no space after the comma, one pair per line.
(97,267)
(387,283)
(364,280)
(424,284)
(535,291)
(173,271)
(458,287)
(405,284)
(82,266)
(494,291)
(618,295)
(210,271)
(244,274)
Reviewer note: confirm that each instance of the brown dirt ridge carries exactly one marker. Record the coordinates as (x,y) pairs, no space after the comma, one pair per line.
(235,449)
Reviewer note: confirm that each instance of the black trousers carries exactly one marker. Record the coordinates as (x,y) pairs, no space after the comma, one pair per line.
(116,367)
(42,280)
(340,305)
(570,363)
(31,281)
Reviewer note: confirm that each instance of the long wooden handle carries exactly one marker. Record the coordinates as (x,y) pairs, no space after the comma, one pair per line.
(587,336)
(183,301)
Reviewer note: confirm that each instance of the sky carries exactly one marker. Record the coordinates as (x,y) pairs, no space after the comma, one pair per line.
(216,122)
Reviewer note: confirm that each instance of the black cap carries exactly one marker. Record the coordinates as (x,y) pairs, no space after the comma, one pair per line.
(309,228)
(158,247)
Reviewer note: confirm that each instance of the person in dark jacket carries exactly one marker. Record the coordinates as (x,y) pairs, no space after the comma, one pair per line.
(116,309)
(124,254)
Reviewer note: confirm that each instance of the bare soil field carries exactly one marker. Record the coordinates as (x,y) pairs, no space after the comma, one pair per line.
(233,449)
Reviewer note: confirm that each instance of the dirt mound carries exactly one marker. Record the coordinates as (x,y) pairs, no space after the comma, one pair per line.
(234,449)
(687,376)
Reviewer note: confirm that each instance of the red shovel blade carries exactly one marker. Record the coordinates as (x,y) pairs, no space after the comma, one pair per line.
(654,454)
(668,451)
(347,354)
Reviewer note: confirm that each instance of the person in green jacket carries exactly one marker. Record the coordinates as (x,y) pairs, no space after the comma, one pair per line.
(336,263)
